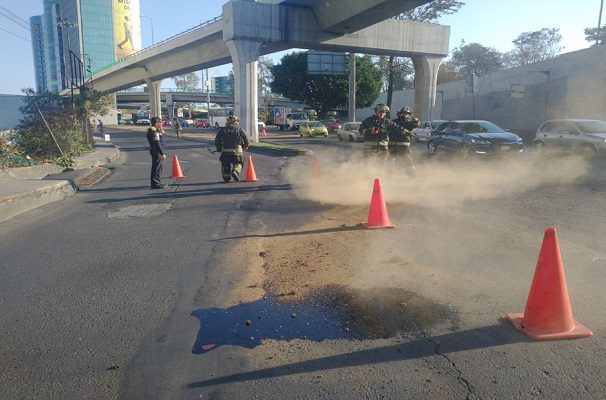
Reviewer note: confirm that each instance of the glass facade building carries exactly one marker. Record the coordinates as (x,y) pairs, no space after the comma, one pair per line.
(75,36)
(38,52)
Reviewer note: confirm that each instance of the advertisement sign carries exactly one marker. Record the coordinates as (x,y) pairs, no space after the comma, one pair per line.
(127,27)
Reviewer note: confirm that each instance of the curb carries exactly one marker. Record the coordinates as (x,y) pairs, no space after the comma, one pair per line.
(21,202)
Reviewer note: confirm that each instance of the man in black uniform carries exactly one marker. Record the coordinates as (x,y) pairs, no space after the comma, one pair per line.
(376,130)
(156,149)
(400,141)
(231,141)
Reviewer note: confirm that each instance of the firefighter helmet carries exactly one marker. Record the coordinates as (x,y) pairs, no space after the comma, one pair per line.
(381,108)
(232,120)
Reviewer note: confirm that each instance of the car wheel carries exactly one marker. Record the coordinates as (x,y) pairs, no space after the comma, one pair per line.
(340,138)
(326,135)
(217,125)
(300,134)
(432,148)
(589,152)
(351,139)
(464,152)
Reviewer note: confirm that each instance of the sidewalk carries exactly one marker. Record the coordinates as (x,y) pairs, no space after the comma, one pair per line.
(25,188)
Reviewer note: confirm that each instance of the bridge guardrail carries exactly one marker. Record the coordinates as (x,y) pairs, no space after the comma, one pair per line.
(123,59)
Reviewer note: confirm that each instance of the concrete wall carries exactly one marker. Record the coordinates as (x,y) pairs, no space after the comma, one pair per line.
(9,110)
(573,85)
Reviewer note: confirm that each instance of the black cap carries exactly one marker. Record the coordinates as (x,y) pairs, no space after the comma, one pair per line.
(154,120)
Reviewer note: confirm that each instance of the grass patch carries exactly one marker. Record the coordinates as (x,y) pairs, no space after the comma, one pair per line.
(275,146)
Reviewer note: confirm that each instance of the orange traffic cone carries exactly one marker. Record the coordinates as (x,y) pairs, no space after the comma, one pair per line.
(548,314)
(377,214)
(250,171)
(177,174)
(315,168)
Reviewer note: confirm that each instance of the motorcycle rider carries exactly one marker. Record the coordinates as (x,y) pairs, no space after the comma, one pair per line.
(231,141)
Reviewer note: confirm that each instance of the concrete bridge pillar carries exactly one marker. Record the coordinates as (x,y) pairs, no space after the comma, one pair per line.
(170,106)
(244,55)
(426,79)
(155,104)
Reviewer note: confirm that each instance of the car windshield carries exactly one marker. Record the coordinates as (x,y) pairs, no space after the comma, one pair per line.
(315,124)
(354,127)
(592,126)
(481,127)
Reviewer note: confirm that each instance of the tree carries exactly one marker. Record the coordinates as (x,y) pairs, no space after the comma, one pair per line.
(475,58)
(55,128)
(324,92)
(398,71)
(187,82)
(265,77)
(447,73)
(531,47)
(595,36)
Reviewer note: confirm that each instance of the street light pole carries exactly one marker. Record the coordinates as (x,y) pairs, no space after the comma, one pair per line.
(597,36)
(151,21)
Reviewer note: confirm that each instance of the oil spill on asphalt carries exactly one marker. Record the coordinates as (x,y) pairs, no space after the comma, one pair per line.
(335,312)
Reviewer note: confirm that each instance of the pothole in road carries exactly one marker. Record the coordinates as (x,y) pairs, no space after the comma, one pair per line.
(140,210)
(335,312)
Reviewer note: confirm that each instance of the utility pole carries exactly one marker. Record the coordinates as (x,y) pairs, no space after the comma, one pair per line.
(597,36)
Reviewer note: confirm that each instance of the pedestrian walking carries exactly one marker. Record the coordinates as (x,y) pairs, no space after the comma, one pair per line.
(178,127)
(231,141)
(156,150)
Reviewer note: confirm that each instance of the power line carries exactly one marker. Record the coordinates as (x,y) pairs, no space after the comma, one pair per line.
(14,34)
(14,17)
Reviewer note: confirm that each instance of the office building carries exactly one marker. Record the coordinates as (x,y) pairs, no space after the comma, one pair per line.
(74,38)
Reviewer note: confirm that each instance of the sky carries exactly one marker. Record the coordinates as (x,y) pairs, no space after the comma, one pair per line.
(492,23)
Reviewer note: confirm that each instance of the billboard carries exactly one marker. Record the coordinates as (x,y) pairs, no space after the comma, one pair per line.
(127,27)
(325,63)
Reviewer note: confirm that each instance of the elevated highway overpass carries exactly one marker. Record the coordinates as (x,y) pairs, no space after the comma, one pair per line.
(249,29)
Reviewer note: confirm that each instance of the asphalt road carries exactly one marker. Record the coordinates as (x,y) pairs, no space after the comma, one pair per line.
(104,294)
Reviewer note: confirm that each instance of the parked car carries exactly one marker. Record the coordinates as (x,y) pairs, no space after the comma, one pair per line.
(583,136)
(313,128)
(473,137)
(350,131)
(202,123)
(423,131)
(332,125)
(143,121)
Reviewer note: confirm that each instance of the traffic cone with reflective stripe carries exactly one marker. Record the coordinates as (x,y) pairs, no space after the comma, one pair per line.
(377,214)
(548,315)
(177,174)
(250,171)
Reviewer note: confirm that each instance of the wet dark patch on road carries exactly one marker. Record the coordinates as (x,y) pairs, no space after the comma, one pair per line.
(334,312)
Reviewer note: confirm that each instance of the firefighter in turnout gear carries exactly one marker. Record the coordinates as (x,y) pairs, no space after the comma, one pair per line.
(400,140)
(376,130)
(231,141)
